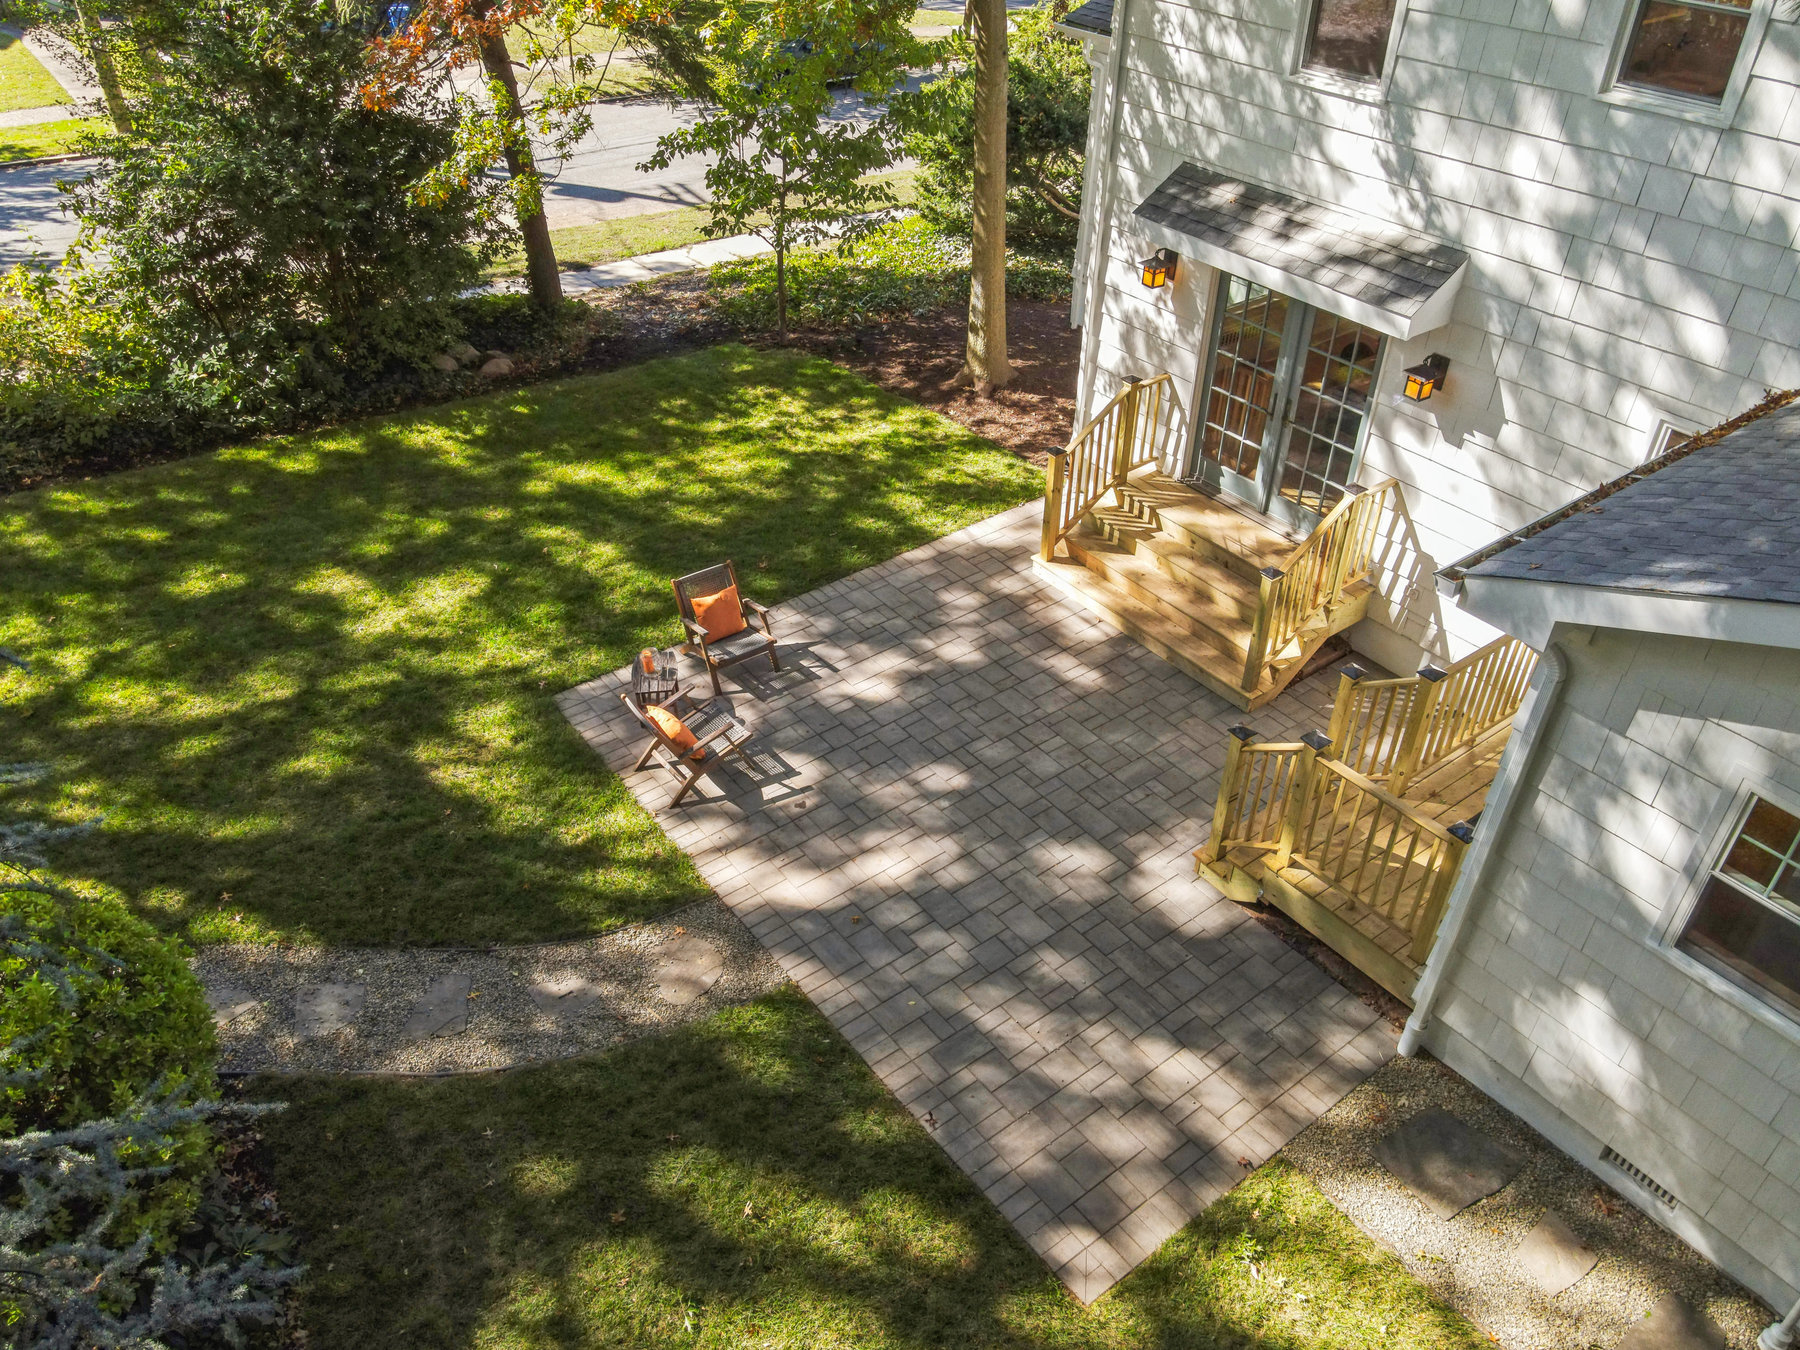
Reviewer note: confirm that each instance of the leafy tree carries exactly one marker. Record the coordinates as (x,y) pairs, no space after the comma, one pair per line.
(985,364)
(1048,89)
(259,218)
(787,169)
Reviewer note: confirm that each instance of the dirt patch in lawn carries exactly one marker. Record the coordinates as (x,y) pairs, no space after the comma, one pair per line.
(916,356)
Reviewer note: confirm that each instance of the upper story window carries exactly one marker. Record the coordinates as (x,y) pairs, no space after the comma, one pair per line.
(1688,49)
(1747,923)
(1349,37)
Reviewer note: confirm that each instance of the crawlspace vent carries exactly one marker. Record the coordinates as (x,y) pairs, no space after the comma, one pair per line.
(1639,1175)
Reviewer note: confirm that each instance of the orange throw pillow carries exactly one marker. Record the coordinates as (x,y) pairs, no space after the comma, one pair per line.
(721,614)
(675,729)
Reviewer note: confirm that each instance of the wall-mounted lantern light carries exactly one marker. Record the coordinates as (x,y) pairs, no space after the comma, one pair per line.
(1425,379)
(1158,268)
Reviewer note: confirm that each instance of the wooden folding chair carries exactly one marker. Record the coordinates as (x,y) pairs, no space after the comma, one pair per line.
(755,638)
(719,736)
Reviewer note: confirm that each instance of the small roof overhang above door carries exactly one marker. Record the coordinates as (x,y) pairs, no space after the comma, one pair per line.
(1396,281)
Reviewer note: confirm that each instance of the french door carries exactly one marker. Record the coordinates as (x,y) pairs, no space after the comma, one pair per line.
(1286,400)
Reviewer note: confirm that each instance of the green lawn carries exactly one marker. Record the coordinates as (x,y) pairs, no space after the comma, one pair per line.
(747,1182)
(42,139)
(309,682)
(24,83)
(605,241)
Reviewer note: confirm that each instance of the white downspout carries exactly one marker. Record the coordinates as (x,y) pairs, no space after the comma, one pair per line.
(1094,276)
(1534,715)
(1781,1335)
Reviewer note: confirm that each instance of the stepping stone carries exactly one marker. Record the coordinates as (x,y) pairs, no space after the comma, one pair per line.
(321,1009)
(1445,1163)
(562,995)
(1674,1324)
(1552,1257)
(442,1011)
(687,968)
(228,1003)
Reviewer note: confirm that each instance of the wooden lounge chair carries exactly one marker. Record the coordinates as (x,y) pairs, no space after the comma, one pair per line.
(746,629)
(718,737)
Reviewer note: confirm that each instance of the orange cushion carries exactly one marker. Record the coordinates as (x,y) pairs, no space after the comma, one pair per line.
(721,614)
(675,729)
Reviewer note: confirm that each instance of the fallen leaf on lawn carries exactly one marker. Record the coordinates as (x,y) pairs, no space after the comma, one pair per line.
(618,1216)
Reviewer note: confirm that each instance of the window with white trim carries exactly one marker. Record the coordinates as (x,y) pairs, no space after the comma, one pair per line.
(1747,922)
(1688,49)
(1349,37)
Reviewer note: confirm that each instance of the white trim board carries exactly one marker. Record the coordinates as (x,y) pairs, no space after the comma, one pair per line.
(1530,609)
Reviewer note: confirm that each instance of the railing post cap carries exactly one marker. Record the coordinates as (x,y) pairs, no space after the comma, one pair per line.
(1354,672)
(1056,450)
(1244,733)
(1433,674)
(1355,490)
(1318,740)
(1464,830)
(1273,573)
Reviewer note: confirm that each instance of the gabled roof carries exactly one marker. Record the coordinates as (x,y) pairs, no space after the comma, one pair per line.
(1703,541)
(1722,519)
(1397,281)
(1096,16)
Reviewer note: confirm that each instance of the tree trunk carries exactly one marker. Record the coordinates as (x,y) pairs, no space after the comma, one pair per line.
(984,362)
(781,292)
(106,71)
(541,271)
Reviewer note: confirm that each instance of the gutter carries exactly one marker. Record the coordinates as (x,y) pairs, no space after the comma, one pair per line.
(1534,715)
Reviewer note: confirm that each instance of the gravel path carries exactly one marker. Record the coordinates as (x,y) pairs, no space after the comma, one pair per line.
(1470,1260)
(450,1010)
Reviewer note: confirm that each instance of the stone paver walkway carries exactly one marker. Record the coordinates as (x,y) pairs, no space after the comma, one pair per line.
(968,837)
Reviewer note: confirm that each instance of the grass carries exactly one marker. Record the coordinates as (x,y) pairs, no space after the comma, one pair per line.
(43,139)
(309,682)
(579,246)
(24,83)
(747,1182)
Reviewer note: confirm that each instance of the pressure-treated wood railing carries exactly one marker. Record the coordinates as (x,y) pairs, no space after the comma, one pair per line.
(1133,431)
(1316,575)
(1305,810)
(1391,731)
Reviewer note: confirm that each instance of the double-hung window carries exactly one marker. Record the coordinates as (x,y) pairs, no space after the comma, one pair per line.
(1686,49)
(1349,37)
(1747,922)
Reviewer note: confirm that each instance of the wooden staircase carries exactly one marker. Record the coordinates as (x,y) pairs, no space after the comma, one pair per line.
(1233,602)
(1358,834)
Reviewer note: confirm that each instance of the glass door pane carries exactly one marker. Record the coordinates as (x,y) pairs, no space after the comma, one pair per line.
(1337,374)
(1242,396)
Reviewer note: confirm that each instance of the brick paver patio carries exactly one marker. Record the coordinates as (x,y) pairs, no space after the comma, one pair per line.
(969,839)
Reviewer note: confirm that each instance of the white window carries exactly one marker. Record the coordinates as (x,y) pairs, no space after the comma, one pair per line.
(1690,50)
(1747,922)
(1348,37)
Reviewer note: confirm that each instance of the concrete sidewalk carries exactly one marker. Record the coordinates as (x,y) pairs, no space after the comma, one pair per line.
(644,267)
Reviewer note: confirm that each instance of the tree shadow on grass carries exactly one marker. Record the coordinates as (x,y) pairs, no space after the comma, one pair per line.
(745,1181)
(310,682)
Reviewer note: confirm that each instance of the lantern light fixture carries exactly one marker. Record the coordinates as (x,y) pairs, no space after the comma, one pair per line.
(1158,268)
(1426,378)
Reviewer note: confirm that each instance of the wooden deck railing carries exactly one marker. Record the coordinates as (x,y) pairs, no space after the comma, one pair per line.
(1307,810)
(1391,731)
(1315,576)
(1134,430)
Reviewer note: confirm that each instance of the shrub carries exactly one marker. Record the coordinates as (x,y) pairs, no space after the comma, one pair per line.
(97,1009)
(908,266)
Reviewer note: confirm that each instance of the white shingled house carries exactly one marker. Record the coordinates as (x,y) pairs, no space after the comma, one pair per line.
(1367,287)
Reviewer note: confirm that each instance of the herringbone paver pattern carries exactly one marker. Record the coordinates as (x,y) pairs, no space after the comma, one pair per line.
(969,840)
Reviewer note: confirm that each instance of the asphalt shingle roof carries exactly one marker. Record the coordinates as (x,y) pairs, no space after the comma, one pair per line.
(1395,269)
(1722,522)
(1095,16)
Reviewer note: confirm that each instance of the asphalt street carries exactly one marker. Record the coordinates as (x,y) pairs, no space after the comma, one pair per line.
(600,180)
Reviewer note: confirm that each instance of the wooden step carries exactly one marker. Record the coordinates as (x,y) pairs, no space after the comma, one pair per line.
(1206,526)
(1168,639)
(1194,608)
